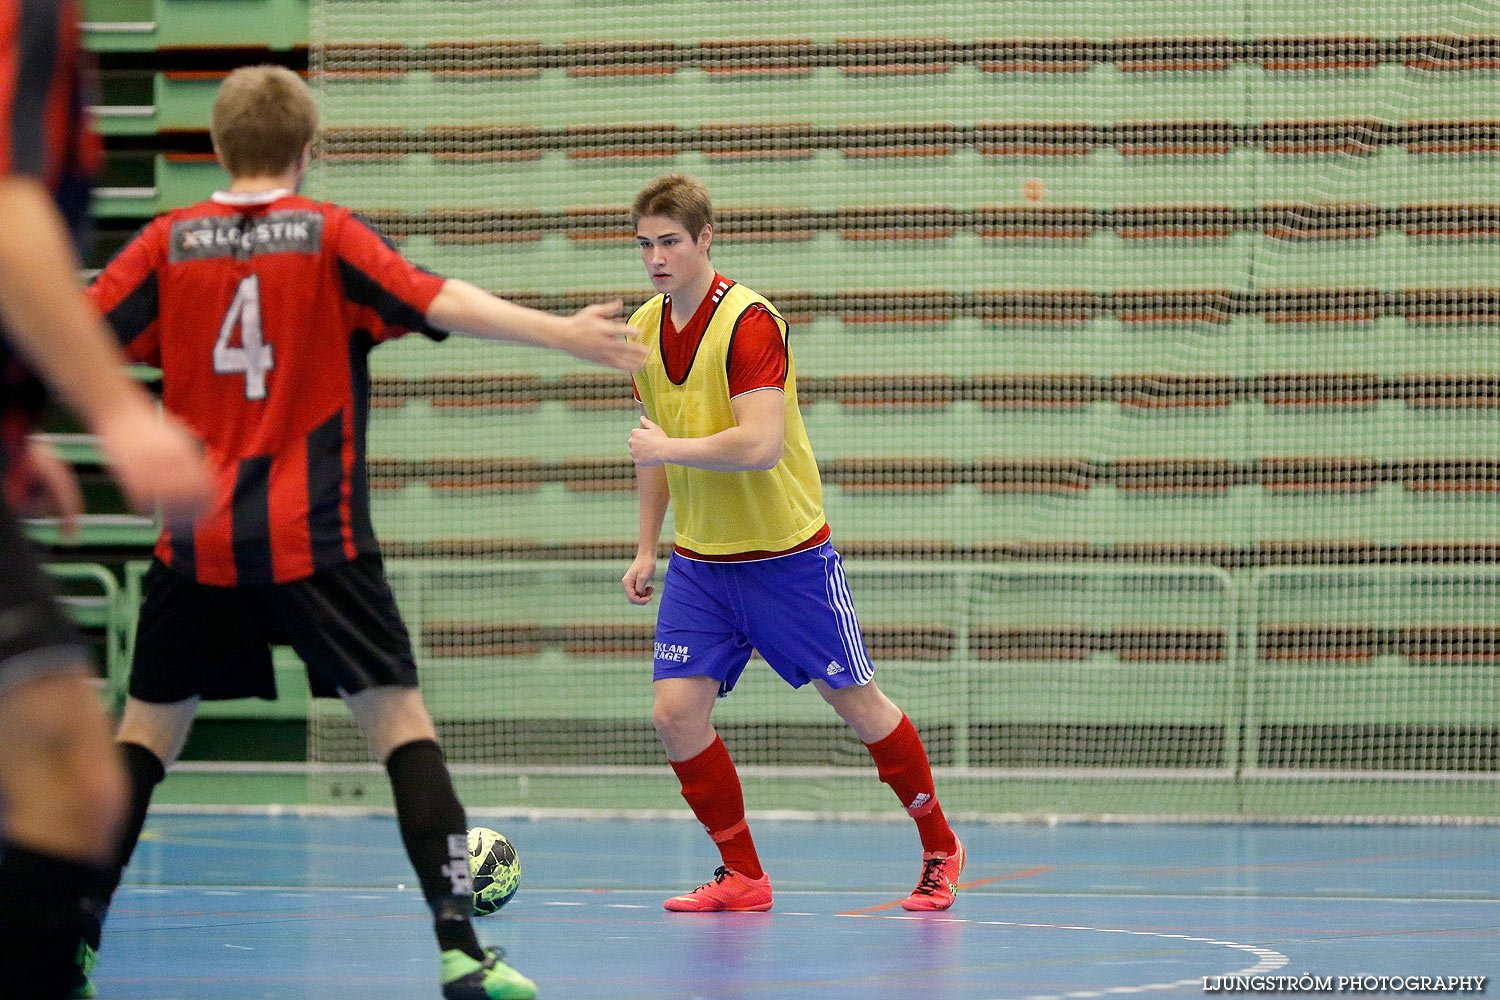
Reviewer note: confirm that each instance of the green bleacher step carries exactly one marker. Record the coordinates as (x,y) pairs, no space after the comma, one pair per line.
(145,25)
(962,179)
(1103,94)
(119,530)
(827,20)
(177,182)
(180,103)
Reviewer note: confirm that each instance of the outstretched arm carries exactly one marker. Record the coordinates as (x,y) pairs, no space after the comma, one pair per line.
(591,333)
(755,442)
(52,325)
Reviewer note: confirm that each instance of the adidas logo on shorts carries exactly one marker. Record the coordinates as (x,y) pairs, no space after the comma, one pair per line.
(834,668)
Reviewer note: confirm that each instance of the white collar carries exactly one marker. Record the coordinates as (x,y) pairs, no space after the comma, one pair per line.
(239,198)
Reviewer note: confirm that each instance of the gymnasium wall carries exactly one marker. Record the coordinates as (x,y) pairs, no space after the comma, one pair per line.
(1146,348)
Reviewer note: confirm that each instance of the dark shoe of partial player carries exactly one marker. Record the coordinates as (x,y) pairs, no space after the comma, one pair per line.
(938,885)
(465,978)
(83,969)
(729,890)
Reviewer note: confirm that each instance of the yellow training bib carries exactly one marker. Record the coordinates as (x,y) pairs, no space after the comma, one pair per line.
(726,513)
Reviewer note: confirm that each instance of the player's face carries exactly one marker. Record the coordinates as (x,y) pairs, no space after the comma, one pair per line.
(674,260)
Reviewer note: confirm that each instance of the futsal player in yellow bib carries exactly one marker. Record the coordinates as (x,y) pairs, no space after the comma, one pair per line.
(753,567)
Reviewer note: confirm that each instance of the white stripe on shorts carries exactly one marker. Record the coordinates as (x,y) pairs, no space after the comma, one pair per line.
(842,603)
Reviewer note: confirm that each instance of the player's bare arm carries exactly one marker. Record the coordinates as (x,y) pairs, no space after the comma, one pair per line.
(754,443)
(651,487)
(592,333)
(63,337)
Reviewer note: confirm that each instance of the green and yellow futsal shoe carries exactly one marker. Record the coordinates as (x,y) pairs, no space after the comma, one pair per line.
(464,978)
(83,968)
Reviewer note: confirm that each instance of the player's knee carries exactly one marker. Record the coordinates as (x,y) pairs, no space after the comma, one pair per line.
(97,804)
(865,708)
(92,771)
(663,719)
(160,728)
(674,721)
(74,791)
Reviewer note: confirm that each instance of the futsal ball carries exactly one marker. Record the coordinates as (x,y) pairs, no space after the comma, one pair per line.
(495,868)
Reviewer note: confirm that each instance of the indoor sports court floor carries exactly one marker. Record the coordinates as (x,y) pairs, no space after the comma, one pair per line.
(236,907)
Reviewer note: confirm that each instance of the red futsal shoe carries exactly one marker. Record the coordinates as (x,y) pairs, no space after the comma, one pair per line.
(939,882)
(729,891)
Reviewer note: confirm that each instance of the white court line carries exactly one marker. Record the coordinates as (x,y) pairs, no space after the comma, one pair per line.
(1268,960)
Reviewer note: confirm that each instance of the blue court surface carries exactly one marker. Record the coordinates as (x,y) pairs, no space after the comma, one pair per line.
(239,906)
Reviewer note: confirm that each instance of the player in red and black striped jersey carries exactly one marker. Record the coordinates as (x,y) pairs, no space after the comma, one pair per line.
(61,790)
(210,294)
(261,307)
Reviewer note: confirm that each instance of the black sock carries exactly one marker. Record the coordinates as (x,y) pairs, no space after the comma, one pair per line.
(145,771)
(42,920)
(434,828)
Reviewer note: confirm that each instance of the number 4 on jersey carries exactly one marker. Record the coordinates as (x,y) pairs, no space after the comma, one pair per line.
(253,357)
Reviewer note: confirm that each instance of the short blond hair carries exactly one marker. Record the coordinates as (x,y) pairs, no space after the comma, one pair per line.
(263,118)
(678,197)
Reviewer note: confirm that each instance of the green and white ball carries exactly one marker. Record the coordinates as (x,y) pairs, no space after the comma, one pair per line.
(495,868)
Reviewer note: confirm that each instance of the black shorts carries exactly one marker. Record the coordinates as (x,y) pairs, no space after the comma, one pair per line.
(215,642)
(36,636)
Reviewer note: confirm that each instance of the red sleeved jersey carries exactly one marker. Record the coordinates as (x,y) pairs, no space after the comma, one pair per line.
(757,355)
(261,311)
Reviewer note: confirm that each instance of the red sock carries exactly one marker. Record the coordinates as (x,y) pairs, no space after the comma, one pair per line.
(711,786)
(902,762)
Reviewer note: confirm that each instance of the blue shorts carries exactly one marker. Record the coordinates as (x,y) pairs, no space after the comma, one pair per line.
(795,610)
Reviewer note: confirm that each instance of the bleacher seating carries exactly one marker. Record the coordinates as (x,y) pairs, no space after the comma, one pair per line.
(1051,326)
